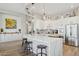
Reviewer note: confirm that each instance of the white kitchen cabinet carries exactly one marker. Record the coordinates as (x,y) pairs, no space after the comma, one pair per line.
(6,37)
(1,37)
(9,37)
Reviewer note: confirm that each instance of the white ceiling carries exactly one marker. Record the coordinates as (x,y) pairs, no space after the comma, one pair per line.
(15,7)
(50,8)
(53,8)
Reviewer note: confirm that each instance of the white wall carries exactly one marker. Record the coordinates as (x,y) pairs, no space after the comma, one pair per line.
(1,21)
(19,19)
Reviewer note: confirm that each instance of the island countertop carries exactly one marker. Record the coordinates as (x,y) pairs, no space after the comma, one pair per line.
(43,37)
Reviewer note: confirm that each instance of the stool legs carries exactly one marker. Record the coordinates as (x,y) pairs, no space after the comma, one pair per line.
(29,48)
(42,52)
(46,52)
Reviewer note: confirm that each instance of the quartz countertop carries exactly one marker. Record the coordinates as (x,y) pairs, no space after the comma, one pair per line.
(40,37)
(44,35)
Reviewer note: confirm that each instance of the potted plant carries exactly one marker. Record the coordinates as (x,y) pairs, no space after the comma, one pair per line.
(1,29)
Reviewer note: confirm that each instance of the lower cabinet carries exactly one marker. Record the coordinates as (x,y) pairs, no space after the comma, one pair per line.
(1,37)
(9,37)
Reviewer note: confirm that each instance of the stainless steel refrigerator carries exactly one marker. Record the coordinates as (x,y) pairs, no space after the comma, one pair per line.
(72,34)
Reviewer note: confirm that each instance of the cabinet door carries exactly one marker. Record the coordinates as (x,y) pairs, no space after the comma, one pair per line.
(67,30)
(74,30)
(7,37)
(11,37)
(1,37)
(16,36)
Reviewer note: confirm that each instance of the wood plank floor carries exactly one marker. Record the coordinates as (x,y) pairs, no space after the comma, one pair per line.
(11,49)
(71,50)
(14,48)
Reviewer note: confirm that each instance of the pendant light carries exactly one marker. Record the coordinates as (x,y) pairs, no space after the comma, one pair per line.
(44,14)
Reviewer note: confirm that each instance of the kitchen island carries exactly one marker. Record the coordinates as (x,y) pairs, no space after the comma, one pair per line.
(54,45)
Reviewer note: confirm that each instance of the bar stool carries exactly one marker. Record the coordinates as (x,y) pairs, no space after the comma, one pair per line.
(29,46)
(23,41)
(42,47)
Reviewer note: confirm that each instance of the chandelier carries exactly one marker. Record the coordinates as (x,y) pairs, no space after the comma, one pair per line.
(44,13)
